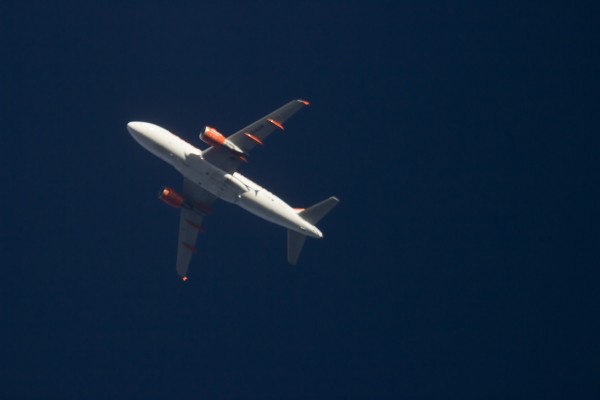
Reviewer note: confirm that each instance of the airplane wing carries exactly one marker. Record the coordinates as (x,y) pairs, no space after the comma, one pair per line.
(251,136)
(190,223)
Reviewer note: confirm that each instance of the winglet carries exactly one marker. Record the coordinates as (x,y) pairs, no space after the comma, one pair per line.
(306,103)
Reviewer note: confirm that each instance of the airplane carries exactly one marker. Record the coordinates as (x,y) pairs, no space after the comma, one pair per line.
(211,174)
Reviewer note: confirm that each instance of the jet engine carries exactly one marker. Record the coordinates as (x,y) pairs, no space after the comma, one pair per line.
(213,137)
(171,197)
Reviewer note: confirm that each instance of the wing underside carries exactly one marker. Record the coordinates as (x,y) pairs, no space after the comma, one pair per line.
(190,223)
(252,135)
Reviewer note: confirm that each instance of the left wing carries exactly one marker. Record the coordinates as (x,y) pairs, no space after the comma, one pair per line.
(190,223)
(251,136)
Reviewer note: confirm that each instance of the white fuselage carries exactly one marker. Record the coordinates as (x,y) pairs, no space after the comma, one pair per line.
(233,188)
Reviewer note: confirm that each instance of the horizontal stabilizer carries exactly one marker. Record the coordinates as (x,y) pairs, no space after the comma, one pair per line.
(295,243)
(319,210)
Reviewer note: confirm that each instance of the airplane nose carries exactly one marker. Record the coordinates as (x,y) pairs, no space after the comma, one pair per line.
(134,128)
(142,132)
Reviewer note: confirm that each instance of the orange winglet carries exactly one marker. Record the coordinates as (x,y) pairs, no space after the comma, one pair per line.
(189,247)
(184,278)
(257,140)
(306,103)
(277,124)
(244,159)
(298,210)
(194,225)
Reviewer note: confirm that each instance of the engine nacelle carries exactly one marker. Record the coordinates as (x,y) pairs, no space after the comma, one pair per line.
(212,137)
(171,197)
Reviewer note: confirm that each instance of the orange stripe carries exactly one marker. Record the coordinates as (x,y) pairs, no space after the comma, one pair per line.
(306,103)
(189,247)
(194,225)
(277,124)
(257,140)
(203,208)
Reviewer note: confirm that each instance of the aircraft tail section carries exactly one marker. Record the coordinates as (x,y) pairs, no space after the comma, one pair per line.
(295,244)
(315,213)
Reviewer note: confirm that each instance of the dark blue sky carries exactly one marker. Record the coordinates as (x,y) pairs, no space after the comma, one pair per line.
(462,261)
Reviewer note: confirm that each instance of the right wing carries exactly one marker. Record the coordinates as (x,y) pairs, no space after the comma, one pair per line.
(251,136)
(190,223)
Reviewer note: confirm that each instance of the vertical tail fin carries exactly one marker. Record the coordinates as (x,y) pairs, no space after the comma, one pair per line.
(295,243)
(313,215)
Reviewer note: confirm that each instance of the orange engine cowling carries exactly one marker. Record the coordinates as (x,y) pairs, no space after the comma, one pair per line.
(212,137)
(171,197)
